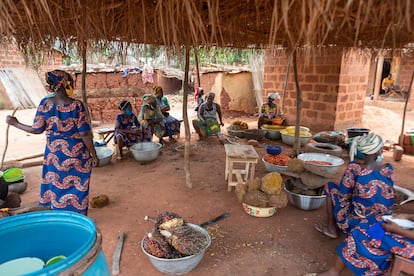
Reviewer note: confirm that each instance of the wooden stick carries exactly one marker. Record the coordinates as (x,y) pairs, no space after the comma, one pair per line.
(401,140)
(7,140)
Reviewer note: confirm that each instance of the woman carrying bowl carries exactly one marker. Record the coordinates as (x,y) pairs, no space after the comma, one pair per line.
(365,192)
(270,113)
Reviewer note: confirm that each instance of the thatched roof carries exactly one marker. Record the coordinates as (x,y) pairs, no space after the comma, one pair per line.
(234,23)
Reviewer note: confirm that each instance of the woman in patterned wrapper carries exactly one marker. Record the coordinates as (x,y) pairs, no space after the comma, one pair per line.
(69,154)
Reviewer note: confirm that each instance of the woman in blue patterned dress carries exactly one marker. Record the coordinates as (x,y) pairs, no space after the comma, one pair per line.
(69,153)
(370,251)
(172,125)
(127,128)
(365,192)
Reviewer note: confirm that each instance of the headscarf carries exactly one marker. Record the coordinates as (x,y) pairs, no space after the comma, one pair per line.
(273,96)
(122,105)
(156,89)
(148,98)
(56,78)
(366,144)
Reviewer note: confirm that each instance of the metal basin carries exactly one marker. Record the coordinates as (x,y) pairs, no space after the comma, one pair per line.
(179,266)
(304,202)
(104,155)
(145,151)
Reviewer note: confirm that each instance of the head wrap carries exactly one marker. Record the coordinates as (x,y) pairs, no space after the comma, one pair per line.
(56,78)
(123,104)
(366,144)
(157,89)
(210,94)
(274,96)
(148,98)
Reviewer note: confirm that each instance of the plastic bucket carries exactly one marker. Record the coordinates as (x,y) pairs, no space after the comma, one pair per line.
(47,234)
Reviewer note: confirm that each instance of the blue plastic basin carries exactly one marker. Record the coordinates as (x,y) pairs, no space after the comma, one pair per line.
(46,234)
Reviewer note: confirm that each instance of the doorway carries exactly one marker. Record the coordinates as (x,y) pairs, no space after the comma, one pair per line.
(386,70)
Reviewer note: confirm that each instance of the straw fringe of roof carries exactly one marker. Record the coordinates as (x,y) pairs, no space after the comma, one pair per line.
(234,23)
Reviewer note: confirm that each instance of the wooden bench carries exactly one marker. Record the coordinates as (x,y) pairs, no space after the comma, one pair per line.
(106,134)
(402,264)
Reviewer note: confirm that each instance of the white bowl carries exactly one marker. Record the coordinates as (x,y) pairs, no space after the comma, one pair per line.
(322,170)
(260,212)
(145,151)
(104,155)
(272,167)
(290,139)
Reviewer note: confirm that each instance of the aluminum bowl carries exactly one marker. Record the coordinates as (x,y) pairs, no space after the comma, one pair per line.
(272,131)
(178,266)
(304,202)
(272,167)
(322,170)
(290,139)
(104,155)
(145,151)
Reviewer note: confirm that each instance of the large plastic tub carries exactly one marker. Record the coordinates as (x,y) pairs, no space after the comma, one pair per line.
(47,234)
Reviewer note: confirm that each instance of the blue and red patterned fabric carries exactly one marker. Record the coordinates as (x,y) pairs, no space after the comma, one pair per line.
(362,197)
(365,255)
(67,162)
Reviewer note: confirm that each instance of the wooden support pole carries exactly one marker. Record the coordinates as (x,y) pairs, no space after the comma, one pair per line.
(186,123)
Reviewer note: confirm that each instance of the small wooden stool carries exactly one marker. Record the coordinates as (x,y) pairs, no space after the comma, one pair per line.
(402,264)
(106,134)
(245,155)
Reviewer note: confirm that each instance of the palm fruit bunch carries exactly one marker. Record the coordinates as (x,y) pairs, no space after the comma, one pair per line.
(156,245)
(238,125)
(172,238)
(185,239)
(168,220)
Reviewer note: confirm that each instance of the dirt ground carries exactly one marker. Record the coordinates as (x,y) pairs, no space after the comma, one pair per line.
(284,244)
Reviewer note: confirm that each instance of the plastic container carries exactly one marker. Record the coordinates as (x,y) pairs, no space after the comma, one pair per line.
(260,212)
(353,132)
(274,150)
(179,266)
(47,234)
(104,155)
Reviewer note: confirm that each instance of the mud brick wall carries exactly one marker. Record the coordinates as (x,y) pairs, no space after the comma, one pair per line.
(10,56)
(104,91)
(333,85)
(408,144)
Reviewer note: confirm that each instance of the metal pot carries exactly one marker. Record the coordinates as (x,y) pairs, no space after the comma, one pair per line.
(305,202)
(145,151)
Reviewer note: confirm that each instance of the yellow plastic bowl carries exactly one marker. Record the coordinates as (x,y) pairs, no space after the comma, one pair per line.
(260,212)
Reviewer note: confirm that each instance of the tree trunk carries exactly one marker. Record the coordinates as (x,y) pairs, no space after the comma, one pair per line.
(186,123)
(197,67)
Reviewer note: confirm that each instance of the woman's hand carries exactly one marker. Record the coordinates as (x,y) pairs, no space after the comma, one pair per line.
(392,227)
(95,161)
(11,120)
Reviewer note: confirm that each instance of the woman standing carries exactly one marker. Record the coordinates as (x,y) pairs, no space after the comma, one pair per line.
(127,128)
(172,125)
(69,154)
(207,123)
(151,119)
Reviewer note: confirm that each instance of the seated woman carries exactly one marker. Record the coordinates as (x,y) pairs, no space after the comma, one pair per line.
(127,128)
(370,251)
(172,125)
(151,119)
(270,113)
(365,192)
(207,124)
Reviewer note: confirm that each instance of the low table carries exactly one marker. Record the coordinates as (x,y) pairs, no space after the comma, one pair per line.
(236,155)
(106,134)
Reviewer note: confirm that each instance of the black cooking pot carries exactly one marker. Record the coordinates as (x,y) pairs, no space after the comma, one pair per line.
(353,132)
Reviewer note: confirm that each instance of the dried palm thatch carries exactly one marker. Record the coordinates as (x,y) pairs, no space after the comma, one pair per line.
(234,23)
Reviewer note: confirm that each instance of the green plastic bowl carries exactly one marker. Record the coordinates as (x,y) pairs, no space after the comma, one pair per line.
(13,175)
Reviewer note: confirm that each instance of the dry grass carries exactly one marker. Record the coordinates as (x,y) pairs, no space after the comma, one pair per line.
(234,23)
